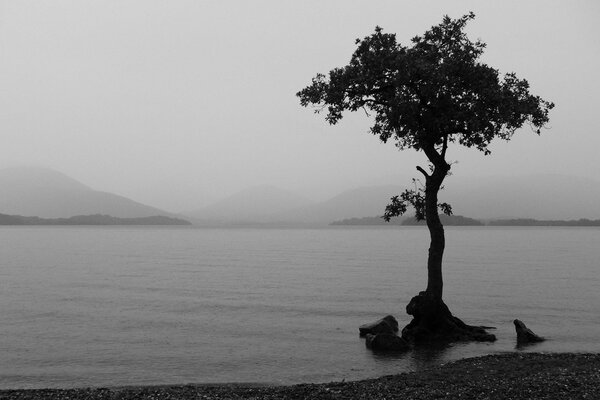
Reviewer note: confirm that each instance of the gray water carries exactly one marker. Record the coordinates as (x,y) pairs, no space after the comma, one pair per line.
(112,306)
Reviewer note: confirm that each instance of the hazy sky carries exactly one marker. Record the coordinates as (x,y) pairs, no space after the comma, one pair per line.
(177,103)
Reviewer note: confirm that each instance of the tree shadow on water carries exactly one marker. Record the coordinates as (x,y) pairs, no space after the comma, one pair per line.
(432,354)
(417,357)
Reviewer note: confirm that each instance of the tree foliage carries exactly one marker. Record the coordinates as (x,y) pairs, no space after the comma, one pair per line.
(414,197)
(427,95)
(435,90)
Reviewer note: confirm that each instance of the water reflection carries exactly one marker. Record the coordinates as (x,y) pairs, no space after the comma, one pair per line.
(526,346)
(426,356)
(418,357)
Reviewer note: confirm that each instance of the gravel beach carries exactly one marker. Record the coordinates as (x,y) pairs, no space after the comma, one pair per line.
(499,376)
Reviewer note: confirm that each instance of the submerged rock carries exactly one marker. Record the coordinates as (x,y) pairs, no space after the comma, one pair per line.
(387,324)
(526,335)
(386,342)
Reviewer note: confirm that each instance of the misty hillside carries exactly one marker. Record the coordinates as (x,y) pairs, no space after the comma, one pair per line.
(537,196)
(360,202)
(268,204)
(544,197)
(256,204)
(46,193)
(50,194)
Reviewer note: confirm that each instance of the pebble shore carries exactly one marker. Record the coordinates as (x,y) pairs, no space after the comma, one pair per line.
(499,376)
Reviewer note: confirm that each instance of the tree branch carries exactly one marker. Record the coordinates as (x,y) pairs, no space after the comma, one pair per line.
(445,147)
(433,156)
(376,102)
(421,170)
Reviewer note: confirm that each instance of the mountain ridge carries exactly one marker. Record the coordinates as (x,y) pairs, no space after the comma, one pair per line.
(48,193)
(51,194)
(255,204)
(543,197)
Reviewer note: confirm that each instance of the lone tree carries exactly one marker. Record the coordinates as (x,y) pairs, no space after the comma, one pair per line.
(426,96)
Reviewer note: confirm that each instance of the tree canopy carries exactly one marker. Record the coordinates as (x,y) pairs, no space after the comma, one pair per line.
(428,94)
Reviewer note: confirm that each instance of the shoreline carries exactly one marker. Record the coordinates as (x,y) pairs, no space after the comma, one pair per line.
(511,375)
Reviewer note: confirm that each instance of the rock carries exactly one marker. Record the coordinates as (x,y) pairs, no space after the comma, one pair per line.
(525,335)
(387,324)
(386,342)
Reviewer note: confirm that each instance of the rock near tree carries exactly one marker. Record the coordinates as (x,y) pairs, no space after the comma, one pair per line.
(387,324)
(526,335)
(386,342)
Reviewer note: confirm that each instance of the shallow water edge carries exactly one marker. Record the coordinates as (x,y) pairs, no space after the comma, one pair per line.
(502,376)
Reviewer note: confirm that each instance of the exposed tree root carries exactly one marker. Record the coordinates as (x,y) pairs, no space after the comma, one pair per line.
(433,322)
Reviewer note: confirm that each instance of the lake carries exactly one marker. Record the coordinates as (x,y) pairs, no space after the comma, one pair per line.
(113,306)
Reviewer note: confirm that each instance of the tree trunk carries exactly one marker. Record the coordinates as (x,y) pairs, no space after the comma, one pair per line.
(435,283)
(432,319)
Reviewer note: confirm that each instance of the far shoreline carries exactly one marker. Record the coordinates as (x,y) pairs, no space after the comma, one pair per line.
(459,220)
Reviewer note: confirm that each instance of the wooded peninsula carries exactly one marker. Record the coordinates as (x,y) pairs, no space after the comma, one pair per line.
(458,220)
(95,219)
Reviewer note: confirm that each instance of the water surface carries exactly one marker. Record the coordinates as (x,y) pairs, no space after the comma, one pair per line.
(105,306)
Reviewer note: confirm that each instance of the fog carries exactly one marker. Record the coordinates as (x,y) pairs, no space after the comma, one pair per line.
(177,104)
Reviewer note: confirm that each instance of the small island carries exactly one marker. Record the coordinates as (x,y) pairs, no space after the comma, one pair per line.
(94,219)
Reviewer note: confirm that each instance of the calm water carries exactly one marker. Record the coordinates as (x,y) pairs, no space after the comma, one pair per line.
(128,306)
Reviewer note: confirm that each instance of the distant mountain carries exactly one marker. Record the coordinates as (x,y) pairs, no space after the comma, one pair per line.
(258,204)
(50,194)
(271,205)
(360,202)
(547,197)
(544,197)
(96,219)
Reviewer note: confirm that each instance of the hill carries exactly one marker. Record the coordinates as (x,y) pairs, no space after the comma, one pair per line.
(258,204)
(543,197)
(546,197)
(271,205)
(355,203)
(51,194)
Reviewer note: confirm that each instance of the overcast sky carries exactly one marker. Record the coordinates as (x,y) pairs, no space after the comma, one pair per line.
(177,103)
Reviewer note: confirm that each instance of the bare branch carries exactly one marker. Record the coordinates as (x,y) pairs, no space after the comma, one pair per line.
(445,147)
(436,158)
(421,170)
